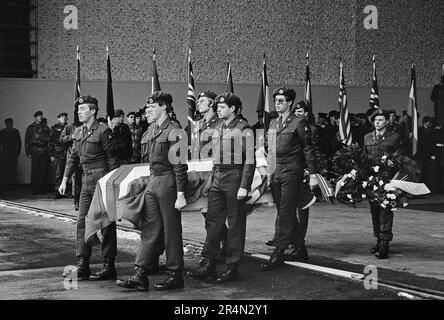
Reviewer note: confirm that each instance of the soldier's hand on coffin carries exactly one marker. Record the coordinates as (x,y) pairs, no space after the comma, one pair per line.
(260,152)
(242,194)
(313,181)
(180,201)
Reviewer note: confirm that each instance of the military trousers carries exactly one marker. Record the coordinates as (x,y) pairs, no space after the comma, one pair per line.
(109,233)
(39,171)
(439,164)
(161,225)
(286,188)
(8,169)
(59,164)
(382,220)
(223,205)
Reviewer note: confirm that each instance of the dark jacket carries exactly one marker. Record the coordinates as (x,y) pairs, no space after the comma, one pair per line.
(57,148)
(95,150)
(37,139)
(389,143)
(294,143)
(234,146)
(10,142)
(158,151)
(122,137)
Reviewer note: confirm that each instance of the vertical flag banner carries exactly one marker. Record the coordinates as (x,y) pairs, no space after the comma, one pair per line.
(109,88)
(344,120)
(155,84)
(307,97)
(263,104)
(229,79)
(191,101)
(77,89)
(412,111)
(374,95)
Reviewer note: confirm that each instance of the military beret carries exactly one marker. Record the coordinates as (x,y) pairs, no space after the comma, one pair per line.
(392,112)
(38,113)
(138,114)
(61,114)
(370,111)
(301,105)
(118,113)
(322,115)
(229,98)
(379,112)
(207,94)
(333,113)
(131,113)
(86,99)
(159,96)
(289,93)
(426,119)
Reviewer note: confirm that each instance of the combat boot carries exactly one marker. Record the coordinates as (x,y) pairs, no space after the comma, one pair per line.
(108,271)
(81,270)
(138,281)
(383,250)
(76,203)
(276,260)
(174,281)
(231,274)
(208,272)
(376,247)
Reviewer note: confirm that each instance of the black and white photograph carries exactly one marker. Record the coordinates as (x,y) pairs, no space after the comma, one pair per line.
(221,158)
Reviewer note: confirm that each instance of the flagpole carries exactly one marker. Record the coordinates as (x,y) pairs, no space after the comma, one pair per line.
(77,88)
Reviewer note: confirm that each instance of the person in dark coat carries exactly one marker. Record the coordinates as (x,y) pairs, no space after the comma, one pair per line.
(122,136)
(37,148)
(10,148)
(425,149)
(57,150)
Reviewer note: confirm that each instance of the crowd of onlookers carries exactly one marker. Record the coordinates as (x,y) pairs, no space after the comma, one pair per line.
(44,144)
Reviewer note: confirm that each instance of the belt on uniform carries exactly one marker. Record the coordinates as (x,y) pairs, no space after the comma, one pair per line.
(439,145)
(227,167)
(161,172)
(94,170)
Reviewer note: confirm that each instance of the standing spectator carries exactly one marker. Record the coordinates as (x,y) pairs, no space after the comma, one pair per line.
(67,137)
(438,157)
(439,114)
(393,122)
(36,148)
(10,147)
(425,149)
(136,135)
(57,150)
(122,136)
(144,119)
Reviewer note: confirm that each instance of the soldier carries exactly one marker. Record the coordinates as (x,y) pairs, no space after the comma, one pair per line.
(438,157)
(425,149)
(36,148)
(67,137)
(94,150)
(393,123)
(10,148)
(377,143)
(122,136)
(291,151)
(233,170)
(136,135)
(204,130)
(57,150)
(164,197)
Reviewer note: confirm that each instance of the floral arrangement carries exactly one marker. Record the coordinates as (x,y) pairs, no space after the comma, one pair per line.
(374,180)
